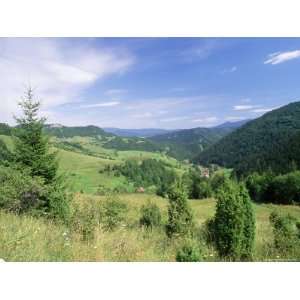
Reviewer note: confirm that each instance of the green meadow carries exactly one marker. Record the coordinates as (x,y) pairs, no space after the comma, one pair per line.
(27,238)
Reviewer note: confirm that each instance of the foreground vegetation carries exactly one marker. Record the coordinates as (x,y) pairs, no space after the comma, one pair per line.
(27,238)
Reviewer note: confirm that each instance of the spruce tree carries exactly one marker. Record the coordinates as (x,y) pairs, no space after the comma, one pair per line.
(32,151)
(32,145)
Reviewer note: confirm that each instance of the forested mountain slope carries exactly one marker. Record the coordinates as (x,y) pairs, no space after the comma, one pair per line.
(269,142)
(187,143)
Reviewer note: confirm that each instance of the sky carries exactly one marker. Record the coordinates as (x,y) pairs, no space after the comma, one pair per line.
(167,83)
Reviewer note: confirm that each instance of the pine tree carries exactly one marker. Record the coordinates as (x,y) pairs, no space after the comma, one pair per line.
(32,145)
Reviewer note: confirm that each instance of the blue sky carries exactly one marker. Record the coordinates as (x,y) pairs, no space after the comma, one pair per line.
(143,82)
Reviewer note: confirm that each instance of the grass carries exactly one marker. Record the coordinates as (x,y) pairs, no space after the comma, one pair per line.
(25,238)
(8,141)
(83,172)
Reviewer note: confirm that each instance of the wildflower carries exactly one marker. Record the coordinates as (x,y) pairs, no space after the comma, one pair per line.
(211,254)
(65,234)
(2,260)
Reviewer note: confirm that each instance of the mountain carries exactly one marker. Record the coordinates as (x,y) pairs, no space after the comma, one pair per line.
(269,142)
(145,132)
(61,131)
(187,143)
(233,125)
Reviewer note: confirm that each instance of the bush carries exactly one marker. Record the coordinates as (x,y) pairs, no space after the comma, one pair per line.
(19,192)
(204,189)
(258,186)
(198,187)
(189,252)
(150,215)
(217,181)
(113,212)
(59,201)
(282,189)
(180,217)
(234,223)
(285,189)
(85,218)
(286,232)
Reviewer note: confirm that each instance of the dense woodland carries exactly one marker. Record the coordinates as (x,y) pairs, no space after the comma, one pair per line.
(267,143)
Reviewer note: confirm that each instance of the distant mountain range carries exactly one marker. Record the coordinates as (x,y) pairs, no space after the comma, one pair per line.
(181,144)
(269,142)
(233,125)
(61,131)
(187,143)
(146,132)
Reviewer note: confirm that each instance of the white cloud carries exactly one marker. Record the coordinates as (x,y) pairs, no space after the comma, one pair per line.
(58,70)
(280,57)
(244,107)
(102,104)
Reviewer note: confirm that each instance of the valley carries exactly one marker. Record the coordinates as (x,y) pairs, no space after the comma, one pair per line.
(114,180)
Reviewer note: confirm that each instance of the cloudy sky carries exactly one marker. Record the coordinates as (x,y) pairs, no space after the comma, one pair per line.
(142,82)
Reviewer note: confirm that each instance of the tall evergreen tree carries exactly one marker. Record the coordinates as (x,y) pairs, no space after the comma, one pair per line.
(32,151)
(32,145)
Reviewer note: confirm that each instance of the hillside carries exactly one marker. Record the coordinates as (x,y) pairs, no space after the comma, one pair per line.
(61,131)
(269,142)
(233,125)
(144,132)
(187,143)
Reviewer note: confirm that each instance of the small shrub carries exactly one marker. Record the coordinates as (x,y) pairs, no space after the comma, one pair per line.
(180,217)
(150,215)
(113,212)
(19,192)
(85,218)
(286,232)
(189,252)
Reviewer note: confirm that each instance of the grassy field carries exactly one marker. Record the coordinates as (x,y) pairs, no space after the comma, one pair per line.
(83,170)
(25,238)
